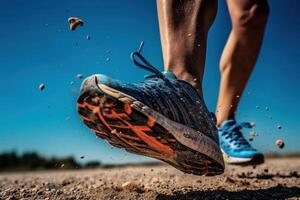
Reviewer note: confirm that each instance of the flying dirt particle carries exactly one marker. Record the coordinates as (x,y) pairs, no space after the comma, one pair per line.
(108,51)
(267,108)
(62,165)
(82,157)
(251,139)
(257,107)
(252,124)
(279,127)
(237,96)
(71,82)
(42,86)
(75,22)
(88,37)
(79,76)
(107,59)
(195,79)
(253,134)
(279,143)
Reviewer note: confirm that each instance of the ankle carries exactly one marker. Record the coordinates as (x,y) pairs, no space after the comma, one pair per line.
(221,117)
(195,82)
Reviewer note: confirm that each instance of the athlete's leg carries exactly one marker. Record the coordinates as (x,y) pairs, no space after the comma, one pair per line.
(249,19)
(183,29)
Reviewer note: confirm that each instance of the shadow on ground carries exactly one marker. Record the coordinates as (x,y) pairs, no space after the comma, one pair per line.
(278,192)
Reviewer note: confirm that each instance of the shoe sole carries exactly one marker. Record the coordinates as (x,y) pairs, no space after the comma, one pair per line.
(254,160)
(128,124)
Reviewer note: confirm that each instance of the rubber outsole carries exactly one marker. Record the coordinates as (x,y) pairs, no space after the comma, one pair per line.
(255,160)
(123,126)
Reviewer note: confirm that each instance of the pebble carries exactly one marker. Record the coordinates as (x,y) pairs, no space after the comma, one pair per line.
(279,143)
(79,76)
(42,86)
(267,108)
(75,22)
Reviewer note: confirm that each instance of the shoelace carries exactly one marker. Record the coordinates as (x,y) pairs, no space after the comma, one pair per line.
(145,64)
(235,134)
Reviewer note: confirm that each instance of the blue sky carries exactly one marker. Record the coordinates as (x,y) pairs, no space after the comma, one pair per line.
(36,46)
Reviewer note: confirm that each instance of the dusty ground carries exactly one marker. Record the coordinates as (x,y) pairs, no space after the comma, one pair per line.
(276,179)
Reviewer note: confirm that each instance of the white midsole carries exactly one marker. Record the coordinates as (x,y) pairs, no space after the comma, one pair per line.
(232,160)
(187,136)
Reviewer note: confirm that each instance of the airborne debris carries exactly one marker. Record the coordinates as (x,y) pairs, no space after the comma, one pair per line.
(79,76)
(88,37)
(42,86)
(107,59)
(279,143)
(253,134)
(267,108)
(257,107)
(74,22)
(71,82)
(279,127)
(82,157)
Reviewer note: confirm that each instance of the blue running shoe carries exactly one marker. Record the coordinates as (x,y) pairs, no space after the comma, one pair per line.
(162,117)
(236,149)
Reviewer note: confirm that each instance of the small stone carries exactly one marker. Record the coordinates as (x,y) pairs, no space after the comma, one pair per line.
(79,76)
(126,184)
(253,134)
(279,143)
(267,108)
(229,180)
(75,22)
(42,86)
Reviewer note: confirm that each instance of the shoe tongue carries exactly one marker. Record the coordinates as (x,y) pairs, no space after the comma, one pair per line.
(169,74)
(228,123)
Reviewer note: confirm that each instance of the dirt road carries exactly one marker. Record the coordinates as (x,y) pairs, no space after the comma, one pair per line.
(276,179)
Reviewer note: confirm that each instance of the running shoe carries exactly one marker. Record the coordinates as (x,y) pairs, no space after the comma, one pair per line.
(236,149)
(162,117)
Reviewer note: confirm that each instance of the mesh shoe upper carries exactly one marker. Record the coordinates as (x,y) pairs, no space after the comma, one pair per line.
(163,92)
(232,140)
